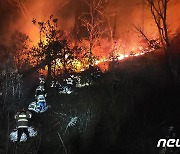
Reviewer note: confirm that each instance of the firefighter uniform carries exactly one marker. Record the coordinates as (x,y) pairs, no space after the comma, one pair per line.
(22,123)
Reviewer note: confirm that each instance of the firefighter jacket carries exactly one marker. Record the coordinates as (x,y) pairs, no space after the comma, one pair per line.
(22,119)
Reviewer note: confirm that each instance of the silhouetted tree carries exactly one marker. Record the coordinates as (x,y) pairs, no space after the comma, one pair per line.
(53,47)
(93,22)
(11,85)
(20,50)
(158,9)
(152,43)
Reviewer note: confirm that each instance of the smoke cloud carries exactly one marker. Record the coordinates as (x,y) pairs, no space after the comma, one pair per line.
(129,12)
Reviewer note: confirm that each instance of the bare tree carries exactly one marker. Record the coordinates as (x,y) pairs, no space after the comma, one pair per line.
(11,86)
(12,95)
(158,9)
(152,43)
(93,22)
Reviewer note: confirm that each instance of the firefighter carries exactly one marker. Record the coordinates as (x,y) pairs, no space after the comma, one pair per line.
(41,79)
(22,118)
(40,106)
(40,91)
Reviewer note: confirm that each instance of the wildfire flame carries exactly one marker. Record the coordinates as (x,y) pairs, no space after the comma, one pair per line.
(127,41)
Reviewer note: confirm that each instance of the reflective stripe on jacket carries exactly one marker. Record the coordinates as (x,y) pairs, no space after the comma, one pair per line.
(22,119)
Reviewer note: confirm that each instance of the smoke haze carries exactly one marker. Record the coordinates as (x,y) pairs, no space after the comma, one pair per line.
(129,12)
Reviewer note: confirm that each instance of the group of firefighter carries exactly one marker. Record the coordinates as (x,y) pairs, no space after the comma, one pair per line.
(39,105)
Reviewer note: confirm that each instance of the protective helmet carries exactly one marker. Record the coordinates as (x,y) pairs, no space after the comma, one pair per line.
(41,76)
(23,110)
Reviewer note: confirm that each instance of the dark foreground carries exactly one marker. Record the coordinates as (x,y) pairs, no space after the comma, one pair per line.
(126,111)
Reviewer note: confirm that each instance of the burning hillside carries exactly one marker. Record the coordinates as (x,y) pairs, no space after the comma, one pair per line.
(109,76)
(92,33)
